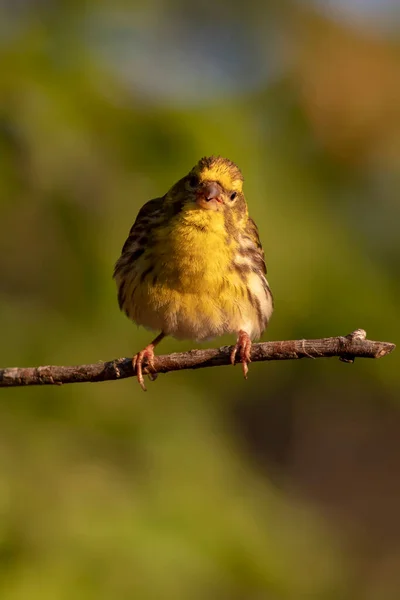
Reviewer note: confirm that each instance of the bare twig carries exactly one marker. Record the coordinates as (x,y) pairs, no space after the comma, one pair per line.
(346,348)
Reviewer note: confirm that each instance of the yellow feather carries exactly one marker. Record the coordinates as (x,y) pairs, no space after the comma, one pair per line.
(197,279)
(222,175)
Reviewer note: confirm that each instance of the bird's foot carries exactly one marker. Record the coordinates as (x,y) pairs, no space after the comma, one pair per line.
(243,348)
(144,359)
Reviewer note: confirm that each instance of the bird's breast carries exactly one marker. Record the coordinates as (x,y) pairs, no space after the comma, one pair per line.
(196,253)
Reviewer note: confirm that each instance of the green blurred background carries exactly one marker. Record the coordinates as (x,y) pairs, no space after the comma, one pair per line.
(282,487)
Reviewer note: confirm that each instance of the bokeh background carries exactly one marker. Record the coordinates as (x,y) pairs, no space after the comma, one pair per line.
(282,487)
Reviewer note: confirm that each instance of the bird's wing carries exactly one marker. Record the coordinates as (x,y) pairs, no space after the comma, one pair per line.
(149,217)
(264,298)
(257,252)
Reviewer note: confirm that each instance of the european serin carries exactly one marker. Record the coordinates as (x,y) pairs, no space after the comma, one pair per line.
(193,266)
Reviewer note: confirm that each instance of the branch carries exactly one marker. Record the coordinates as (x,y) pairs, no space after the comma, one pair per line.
(346,348)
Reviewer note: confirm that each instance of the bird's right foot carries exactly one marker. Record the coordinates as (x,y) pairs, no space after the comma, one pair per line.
(144,359)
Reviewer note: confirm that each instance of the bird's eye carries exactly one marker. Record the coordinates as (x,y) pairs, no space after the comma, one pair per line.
(193,181)
(233,195)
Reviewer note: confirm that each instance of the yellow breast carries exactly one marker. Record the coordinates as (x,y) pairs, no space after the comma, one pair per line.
(185,285)
(195,252)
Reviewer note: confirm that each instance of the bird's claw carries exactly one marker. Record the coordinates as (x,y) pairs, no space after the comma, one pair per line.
(143,362)
(243,348)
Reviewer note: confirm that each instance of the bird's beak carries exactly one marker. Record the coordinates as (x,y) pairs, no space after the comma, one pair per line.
(209,195)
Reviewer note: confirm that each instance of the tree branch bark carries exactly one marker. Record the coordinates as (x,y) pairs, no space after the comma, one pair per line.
(354,345)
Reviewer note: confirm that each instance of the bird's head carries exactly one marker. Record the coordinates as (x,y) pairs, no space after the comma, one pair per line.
(214,184)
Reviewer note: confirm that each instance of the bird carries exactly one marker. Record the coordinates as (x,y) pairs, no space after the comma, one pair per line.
(193,266)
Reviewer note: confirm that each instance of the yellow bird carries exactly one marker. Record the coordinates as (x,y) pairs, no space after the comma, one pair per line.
(193,266)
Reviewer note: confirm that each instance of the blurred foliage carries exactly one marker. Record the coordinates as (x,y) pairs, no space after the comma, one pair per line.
(284,486)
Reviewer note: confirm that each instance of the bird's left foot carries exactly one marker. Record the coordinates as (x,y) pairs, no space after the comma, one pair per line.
(144,358)
(243,348)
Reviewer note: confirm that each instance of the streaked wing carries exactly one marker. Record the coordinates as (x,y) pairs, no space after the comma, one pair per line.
(258,289)
(140,238)
(148,217)
(254,246)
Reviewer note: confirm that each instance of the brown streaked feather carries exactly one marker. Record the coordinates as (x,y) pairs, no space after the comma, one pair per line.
(251,249)
(251,232)
(147,217)
(140,234)
(208,162)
